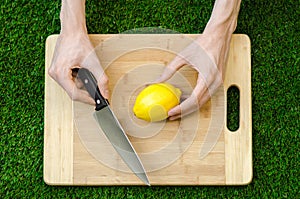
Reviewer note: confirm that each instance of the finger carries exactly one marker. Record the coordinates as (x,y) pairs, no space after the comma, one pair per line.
(75,93)
(167,74)
(186,107)
(175,111)
(171,69)
(82,96)
(176,117)
(204,90)
(103,85)
(192,103)
(78,83)
(176,114)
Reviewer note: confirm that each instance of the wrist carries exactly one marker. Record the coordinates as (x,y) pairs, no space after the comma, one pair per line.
(221,26)
(72,28)
(223,20)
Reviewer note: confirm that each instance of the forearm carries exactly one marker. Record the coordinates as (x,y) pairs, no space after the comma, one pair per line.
(72,17)
(223,20)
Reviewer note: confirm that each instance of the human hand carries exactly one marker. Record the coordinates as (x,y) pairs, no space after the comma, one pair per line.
(207,56)
(76,51)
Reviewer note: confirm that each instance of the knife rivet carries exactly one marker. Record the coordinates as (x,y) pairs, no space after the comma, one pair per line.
(86,81)
(98,101)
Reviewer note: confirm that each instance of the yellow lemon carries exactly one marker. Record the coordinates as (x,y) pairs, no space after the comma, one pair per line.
(154,102)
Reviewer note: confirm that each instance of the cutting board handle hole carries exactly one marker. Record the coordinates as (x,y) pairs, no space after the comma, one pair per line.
(233,108)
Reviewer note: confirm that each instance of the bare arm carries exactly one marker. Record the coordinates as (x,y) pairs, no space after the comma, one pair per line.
(72,17)
(220,27)
(212,45)
(223,18)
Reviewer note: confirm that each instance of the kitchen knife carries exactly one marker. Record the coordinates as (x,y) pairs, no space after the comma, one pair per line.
(111,126)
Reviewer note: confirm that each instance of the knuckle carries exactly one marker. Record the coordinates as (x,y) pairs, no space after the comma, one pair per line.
(53,72)
(104,79)
(74,96)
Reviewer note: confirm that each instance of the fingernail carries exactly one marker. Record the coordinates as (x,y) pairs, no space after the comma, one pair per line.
(171,112)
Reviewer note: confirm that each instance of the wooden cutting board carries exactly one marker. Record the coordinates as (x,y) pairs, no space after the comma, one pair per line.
(196,150)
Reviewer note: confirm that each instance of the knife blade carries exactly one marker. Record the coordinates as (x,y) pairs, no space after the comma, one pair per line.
(111,126)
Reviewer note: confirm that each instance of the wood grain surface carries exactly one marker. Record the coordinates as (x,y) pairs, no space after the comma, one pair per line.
(196,150)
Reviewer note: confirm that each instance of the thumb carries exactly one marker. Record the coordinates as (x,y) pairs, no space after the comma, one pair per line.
(75,93)
(186,107)
(171,69)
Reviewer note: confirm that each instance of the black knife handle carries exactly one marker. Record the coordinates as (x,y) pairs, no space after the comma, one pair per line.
(90,84)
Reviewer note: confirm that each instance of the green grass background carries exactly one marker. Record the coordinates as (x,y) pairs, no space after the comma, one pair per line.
(273,27)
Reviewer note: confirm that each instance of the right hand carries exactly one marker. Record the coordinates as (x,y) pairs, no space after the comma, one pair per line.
(76,51)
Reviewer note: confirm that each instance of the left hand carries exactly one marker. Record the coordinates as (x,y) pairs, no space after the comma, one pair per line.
(207,55)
